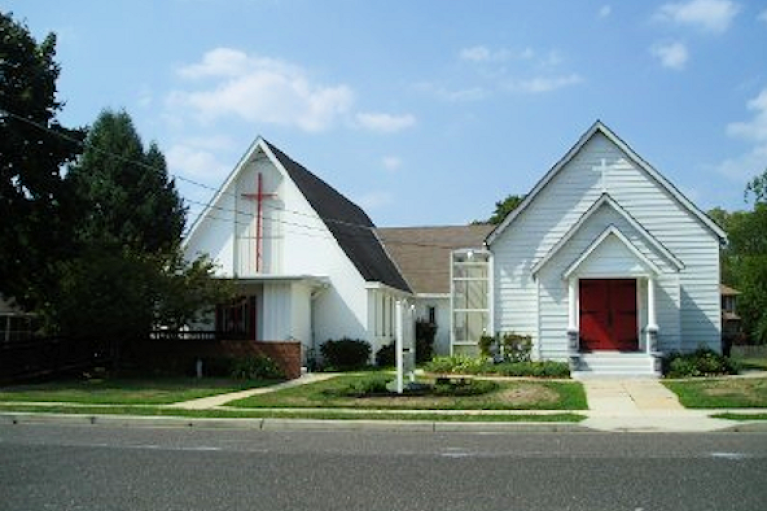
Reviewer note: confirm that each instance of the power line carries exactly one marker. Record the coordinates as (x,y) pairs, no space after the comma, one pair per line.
(219,191)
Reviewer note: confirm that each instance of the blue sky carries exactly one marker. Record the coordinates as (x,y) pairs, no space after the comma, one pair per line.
(423,112)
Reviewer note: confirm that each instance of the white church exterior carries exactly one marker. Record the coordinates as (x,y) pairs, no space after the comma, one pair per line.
(604,264)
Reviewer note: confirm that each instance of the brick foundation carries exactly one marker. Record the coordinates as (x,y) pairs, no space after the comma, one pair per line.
(181,356)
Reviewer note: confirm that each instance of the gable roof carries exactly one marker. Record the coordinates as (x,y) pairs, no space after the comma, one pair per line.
(610,231)
(599,127)
(347,222)
(606,199)
(423,253)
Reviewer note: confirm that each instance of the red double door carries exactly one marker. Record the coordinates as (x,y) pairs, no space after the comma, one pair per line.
(608,314)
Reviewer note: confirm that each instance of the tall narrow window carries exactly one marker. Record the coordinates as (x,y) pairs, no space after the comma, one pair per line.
(470,296)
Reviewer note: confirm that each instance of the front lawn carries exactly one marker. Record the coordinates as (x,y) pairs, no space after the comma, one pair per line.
(125,391)
(509,395)
(721,393)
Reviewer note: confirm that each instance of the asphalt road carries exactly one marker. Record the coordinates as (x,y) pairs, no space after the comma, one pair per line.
(111,468)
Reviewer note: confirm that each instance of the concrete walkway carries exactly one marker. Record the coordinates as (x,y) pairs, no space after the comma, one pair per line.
(642,405)
(205,403)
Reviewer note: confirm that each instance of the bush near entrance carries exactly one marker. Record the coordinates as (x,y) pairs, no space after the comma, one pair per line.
(462,364)
(701,362)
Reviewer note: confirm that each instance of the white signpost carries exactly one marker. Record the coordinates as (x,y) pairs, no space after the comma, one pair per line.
(404,343)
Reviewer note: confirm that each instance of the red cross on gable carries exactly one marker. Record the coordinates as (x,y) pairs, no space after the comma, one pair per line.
(259,197)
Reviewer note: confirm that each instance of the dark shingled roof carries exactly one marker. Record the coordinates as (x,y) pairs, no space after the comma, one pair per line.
(349,224)
(423,253)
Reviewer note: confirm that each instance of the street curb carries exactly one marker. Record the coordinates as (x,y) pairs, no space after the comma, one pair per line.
(267,424)
(20,418)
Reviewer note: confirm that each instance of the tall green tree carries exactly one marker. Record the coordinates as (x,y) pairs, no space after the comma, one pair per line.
(744,259)
(129,274)
(34,146)
(758,188)
(502,209)
(127,198)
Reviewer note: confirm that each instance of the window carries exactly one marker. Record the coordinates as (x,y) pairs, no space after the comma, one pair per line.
(470,295)
(432,315)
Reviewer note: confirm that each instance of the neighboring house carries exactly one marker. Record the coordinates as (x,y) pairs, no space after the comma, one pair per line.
(15,324)
(604,264)
(730,319)
(306,261)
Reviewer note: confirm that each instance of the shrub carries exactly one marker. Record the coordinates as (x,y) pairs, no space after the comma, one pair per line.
(461,364)
(516,347)
(386,356)
(345,354)
(458,364)
(485,344)
(256,367)
(701,362)
(463,388)
(368,386)
(540,369)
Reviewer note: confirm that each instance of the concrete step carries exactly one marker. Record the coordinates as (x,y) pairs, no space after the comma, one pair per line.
(615,364)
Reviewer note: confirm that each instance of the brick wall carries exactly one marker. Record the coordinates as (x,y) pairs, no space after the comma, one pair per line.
(180,356)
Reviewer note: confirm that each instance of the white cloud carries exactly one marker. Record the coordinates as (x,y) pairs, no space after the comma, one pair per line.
(708,15)
(543,84)
(605,11)
(754,161)
(762,16)
(259,89)
(755,129)
(391,163)
(144,96)
(457,96)
(373,200)
(385,123)
(671,55)
(481,53)
(192,159)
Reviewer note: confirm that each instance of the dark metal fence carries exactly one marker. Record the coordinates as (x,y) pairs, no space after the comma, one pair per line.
(34,357)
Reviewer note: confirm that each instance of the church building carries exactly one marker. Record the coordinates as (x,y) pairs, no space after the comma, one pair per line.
(605,264)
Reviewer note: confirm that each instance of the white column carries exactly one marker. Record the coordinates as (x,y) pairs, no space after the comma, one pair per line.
(572,304)
(652,323)
(572,316)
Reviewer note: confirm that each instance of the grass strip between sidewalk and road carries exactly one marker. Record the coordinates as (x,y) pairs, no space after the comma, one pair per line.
(741,416)
(127,391)
(720,392)
(151,411)
(509,395)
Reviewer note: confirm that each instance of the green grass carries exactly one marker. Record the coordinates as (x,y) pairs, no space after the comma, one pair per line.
(758,364)
(283,414)
(125,391)
(516,395)
(741,416)
(721,392)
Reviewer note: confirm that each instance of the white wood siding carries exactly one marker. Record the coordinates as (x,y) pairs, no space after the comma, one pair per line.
(688,301)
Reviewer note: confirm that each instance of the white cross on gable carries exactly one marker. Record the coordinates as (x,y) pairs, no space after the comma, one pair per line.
(603,168)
